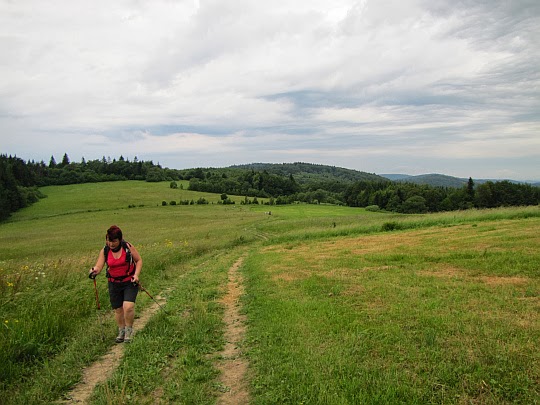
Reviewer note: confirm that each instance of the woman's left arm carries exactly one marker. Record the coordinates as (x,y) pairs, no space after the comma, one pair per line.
(138,263)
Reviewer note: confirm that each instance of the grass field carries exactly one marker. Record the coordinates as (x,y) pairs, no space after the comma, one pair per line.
(343,306)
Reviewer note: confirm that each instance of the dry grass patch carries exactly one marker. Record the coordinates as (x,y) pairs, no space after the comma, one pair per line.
(289,277)
(448,271)
(497,281)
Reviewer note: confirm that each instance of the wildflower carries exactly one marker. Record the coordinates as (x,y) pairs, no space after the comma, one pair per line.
(9,284)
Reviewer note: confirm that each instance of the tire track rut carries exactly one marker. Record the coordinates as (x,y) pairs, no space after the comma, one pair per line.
(232,364)
(102,369)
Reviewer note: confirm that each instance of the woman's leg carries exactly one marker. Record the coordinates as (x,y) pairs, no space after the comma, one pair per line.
(120,317)
(128,313)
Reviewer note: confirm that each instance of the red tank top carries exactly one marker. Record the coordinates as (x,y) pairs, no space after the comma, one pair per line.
(118,268)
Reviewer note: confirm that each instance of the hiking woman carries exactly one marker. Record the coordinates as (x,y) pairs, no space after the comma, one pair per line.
(124,266)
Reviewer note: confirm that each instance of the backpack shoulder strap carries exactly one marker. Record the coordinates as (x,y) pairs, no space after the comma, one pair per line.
(129,257)
(106,253)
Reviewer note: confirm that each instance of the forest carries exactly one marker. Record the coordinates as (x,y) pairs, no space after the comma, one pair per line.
(279,183)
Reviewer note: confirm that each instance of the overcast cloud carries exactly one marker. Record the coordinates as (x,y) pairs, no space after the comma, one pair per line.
(404,86)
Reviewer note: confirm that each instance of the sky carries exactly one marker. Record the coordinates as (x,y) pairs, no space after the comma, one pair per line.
(380,86)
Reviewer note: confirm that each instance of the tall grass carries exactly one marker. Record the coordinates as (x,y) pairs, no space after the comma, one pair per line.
(324,222)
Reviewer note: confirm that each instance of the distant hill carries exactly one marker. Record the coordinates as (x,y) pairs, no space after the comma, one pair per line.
(441,180)
(434,179)
(309,172)
(305,173)
(395,177)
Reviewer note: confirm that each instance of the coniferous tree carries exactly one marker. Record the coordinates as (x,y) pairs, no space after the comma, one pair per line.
(65,160)
(470,189)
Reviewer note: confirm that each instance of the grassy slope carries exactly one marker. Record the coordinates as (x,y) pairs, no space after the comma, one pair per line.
(403,317)
(443,311)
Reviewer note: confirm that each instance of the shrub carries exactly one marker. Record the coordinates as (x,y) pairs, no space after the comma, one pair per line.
(391,226)
(414,205)
(164,203)
(373,208)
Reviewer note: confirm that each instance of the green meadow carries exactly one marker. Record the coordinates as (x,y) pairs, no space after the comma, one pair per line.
(343,306)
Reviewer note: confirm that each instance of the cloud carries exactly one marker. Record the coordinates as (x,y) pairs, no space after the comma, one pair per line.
(323,81)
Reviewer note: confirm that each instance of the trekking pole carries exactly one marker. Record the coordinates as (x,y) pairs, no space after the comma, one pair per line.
(146,291)
(97,296)
(93,277)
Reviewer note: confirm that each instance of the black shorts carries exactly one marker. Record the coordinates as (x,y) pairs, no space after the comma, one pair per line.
(120,292)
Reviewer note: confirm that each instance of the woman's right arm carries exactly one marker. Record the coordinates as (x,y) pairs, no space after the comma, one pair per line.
(99,263)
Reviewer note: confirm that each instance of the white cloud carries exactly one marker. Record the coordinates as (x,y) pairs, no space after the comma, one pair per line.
(276,80)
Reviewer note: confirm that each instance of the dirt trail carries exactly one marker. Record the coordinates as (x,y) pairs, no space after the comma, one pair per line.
(233,365)
(103,368)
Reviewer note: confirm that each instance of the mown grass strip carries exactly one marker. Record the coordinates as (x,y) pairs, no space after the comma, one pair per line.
(408,317)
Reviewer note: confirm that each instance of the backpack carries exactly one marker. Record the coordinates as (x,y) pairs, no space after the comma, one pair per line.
(129,259)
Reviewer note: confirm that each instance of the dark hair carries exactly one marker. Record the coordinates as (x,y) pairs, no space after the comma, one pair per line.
(114,233)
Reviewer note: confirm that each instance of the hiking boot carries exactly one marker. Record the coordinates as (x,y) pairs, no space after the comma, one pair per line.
(128,335)
(121,335)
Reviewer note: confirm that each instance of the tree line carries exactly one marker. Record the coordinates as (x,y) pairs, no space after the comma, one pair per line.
(378,194)
(421,198)
(20,182)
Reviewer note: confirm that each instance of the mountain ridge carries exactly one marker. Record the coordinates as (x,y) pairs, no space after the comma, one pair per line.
(305,172)
(437,179)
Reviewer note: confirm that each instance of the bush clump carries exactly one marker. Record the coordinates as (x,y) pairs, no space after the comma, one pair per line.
(391,226)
